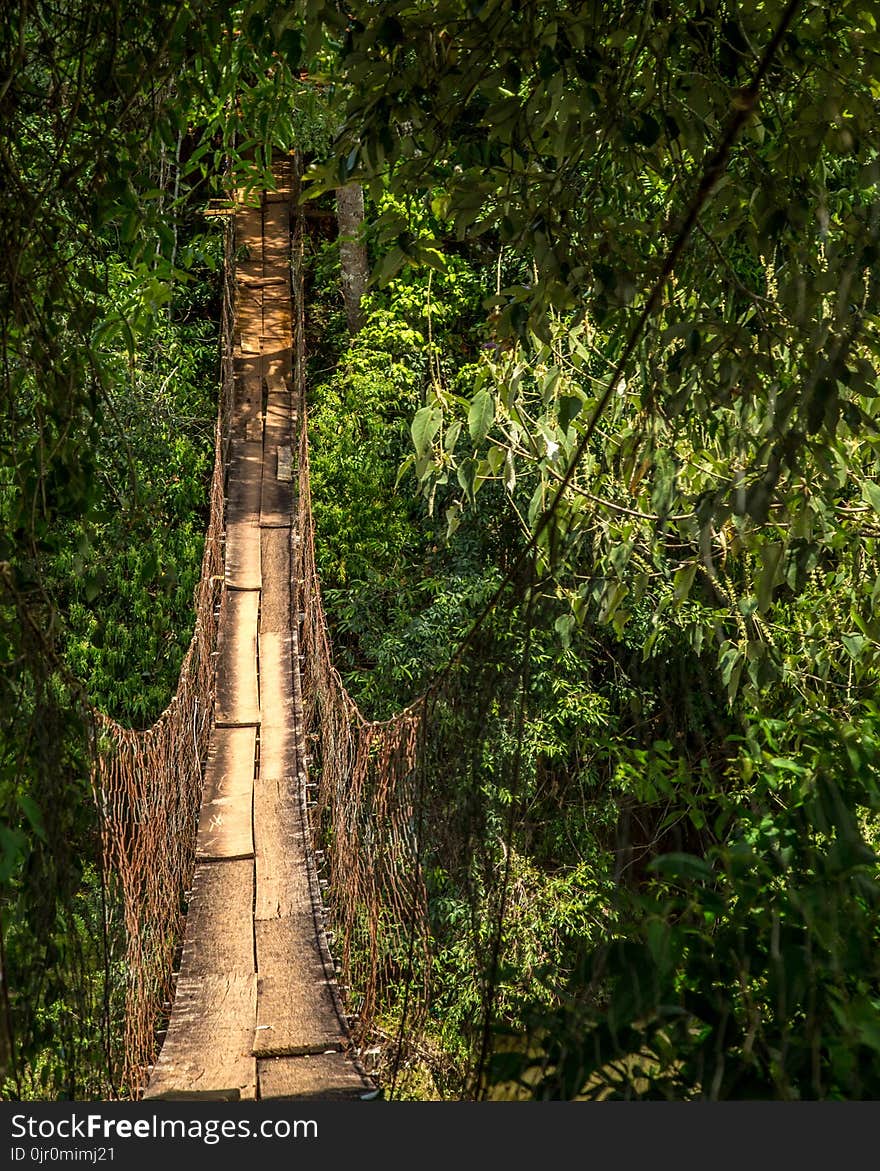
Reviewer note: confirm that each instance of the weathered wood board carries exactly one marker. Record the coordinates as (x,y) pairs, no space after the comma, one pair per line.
(322,1077)
(275,561)
(279,850)
(277,751)
(296,1013)
(238,700)
(226,827)
(207,1051)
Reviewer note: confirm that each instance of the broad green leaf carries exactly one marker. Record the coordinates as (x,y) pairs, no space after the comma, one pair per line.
(564,625)
(871,494)
(467,473)
(451,437)
(615,592)
(688,867)
(771,561)
(425,426)
(855,645)
(684,579)
(495,458)
(481,415)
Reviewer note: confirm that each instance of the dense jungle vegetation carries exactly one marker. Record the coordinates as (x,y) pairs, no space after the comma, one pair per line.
(613,396)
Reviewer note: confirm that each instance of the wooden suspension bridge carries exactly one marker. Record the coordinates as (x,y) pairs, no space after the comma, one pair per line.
(256,1011)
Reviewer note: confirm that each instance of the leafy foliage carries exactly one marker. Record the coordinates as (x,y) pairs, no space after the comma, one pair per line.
(674,402)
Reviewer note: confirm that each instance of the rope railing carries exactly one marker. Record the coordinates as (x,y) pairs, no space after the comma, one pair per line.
(367,810)
(147,785)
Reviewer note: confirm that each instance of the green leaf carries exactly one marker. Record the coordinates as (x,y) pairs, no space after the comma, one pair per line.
(509,471)
(34,815)
(424,427)
(481,415)
(13,847)
(614,595)
(495,459)
(855,645)
(467,474)
(731,662)
(786,765)
(684,579)
(688,867)
(564,625)
(569,408)
(871,494)
(451,437)
(771,560)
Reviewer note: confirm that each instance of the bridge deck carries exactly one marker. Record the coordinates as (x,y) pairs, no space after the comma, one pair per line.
(256,1014)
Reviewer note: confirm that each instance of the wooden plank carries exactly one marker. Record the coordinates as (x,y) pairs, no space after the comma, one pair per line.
(278,404)
(278,391)
(246,466)
(276,507)
(219,920)
(248,398)
(249,368)
(277,310)
(279,337)
(264,282)
(206,1053)
(237,701)
(275,560)
(277,305)
(276,221)
(246,415)
(243,555)
(276,426)
(323,1077)
(249,309)
(296,1013)
(226,816)
(277,323)
(276,259)
(242,561)
(282,173)
(248,197)
(279,850)
(276,503)
(278,361)
(277,746)
(250,268)
(249,229)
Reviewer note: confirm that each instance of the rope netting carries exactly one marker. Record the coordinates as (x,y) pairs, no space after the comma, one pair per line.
(367,808)
(147,785)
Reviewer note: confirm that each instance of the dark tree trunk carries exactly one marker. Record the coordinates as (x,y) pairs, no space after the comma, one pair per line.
(352,251)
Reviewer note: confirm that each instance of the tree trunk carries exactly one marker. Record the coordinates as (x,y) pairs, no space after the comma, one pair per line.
(352,251)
